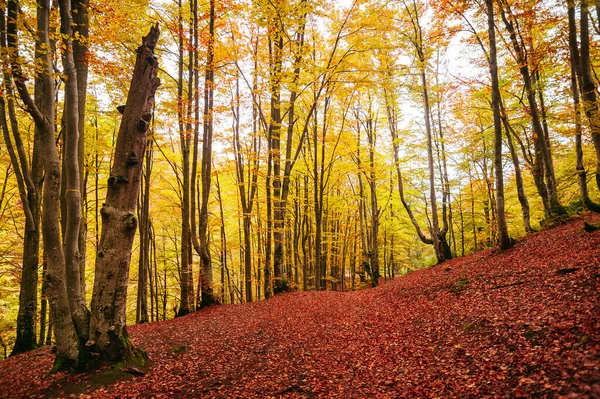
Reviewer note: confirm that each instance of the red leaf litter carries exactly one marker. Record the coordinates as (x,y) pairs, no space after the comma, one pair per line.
(521,324)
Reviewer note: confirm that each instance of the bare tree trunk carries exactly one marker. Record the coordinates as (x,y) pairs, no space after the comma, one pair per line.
(145,241)
(318,208)
(305,236)
(44,319)
(73,182)
(207,295)
(576,68)
(392,119)
(29,177)
(504,239)
(542,169)
(185,282)
(247,193)
(108,333)
(588,85)
(66,337)
(525,211)
(275,77)
(81,25)
(374,247)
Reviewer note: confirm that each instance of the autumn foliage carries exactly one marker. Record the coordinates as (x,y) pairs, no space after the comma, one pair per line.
(523,323)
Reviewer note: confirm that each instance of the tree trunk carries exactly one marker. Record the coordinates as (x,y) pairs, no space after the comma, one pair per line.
(576,68)
(108,333)
(29,179)
(503,237)
(73,195)
(81,25)
(66,338)
(542,166)
(374,248)
(185,283)
(144,261)
(207,296)
(525,210)
(588,86)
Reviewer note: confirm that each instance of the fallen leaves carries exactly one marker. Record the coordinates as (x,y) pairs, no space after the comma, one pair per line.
(515,324)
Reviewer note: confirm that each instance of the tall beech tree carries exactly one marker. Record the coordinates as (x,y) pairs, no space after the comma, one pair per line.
(67,341)
(578,64)
(459,9)
(542,167)
(184,117)
(503,238)
(81,27)
(108,333)
(587,83)
(415,37)
(71,178)
(28,173)
(207,294)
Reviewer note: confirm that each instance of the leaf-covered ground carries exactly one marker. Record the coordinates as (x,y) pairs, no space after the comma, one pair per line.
(525,323)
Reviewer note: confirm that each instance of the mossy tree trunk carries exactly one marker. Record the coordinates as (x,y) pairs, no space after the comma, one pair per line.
(108,334)
(28,176)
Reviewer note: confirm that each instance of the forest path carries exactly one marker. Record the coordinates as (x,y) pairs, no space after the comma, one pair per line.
(524,323)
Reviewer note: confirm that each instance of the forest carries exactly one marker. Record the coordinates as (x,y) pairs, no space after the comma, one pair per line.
(159,157)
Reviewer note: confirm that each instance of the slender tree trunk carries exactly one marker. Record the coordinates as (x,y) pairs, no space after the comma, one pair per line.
(504,239)
(372,181)
(588,85)
(473,223)
(542,166)
(275,77)
(145,241)
(81,27)
(576,68)
(318,208)
(185,282)
(44,319)
(207,295)
(29,177)
(73,182)
(525,211)
(66,337)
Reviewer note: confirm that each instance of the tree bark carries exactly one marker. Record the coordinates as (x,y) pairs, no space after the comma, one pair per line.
(185,139)
(503,237)
(108,333)
(206,279)
(66,338)
(81,26)
(542,169)
(29,177)
(576,70)
(588,85)
(73,195)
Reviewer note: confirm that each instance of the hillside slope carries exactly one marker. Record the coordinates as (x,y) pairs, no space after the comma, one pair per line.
(524,323)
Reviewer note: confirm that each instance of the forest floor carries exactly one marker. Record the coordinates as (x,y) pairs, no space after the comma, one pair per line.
(520,324)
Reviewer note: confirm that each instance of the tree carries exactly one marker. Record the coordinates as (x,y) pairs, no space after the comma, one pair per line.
(108,333)
(413,32)
(67,342)
(578,77)
(29,182)
(185,122)
(504,240)
(587,84)
(207,295)
(543,168)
